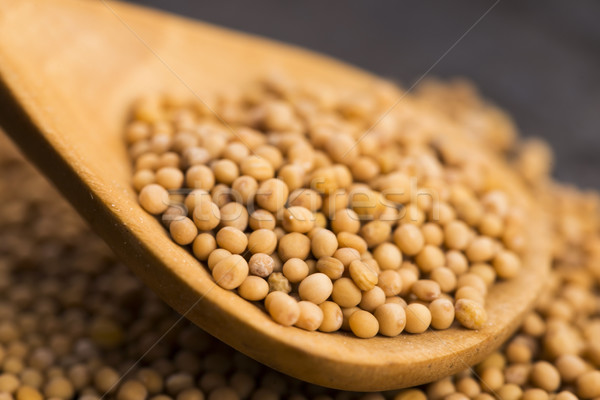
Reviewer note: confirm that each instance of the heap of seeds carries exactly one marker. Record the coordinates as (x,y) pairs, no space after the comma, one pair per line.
(74,323)
(299,196)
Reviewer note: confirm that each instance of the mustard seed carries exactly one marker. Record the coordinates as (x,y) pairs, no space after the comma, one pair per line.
(375,232)
(346,293)
(253,288)
(315,288)
(216,256)
(388,256)
(507,264)
(282,308)
(278,282)
(183,231)
(588,384)
(323,243)
(545,376)
(363,324)
(363,275)
(346,255)
(332,317)
(234,215)
(262,241)
(481,249)
(200,177)
(225,171)
(245,188)
(391,318)
(169,177)
(293,245)
(470,314)
(371,299)
(390,282)
(346,239)
(409,239)
(154,199)
(230,272)
(257,167)
(429,258)
(442,313)
(206,215)
(272,194)
(232,239)
(298,219)
(311,316)
(306,198)
(445,278)
(330,266)
(418,318)
(142,178)
(345,220)
(295,270)
(261,219)
(261,264)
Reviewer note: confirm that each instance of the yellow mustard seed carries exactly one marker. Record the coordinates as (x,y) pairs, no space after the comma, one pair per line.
(391,318)
(200,177)
(298,219)
(183,231)
(332,317)
(230,272)
(262,241)
(232,239)
(311,316)
(253,288)
(345,293)
(470,314)
(363,275)
(315,288)
(261,264)
(371,299)
(272,194)
(418,318)
(363,324)
(154,198)
(282,308)
(323,243)
(409,239)
(295,270)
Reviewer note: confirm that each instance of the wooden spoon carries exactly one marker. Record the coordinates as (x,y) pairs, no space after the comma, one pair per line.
(69,71)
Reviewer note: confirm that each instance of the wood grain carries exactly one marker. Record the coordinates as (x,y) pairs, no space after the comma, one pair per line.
(69,71)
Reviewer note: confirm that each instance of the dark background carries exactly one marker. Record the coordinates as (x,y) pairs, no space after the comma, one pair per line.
(540,60)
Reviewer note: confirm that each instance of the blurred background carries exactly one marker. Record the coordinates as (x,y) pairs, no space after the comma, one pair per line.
(540,61)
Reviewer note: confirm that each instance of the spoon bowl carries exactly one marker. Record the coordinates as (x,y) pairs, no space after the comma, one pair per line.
(69,71)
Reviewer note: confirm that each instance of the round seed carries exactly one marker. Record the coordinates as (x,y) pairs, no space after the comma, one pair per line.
(154,198)
(253,288)
(409,239)
(282,308)
(363,324)
(315,288)
(470,314)
(230,272)
(311,316)
(232,239)
(261,264)
(418,318)
(346,293)
(391,318)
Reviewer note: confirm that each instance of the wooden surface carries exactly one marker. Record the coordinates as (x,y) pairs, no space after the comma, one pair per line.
(69,70)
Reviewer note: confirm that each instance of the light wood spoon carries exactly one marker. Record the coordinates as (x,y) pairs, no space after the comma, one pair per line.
(69,71)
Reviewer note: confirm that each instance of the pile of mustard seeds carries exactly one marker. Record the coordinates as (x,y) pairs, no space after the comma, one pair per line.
(75,323)
(302,198)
